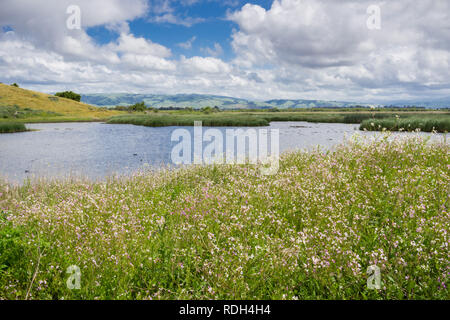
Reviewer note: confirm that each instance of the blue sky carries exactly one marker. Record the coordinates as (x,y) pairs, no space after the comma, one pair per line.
(212,27)
(353,50)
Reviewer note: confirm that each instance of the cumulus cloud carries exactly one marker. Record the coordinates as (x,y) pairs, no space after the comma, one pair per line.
(45,22)
(164,12)
(173,19)
(127,43)
(308,33)
(188,44)
(216,51)
(205,65)
(329,45)
(313,49)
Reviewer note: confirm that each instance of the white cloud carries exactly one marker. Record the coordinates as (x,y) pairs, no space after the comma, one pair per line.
(173,19)
(162,11)
(127,43)
(205,65)
(44,22)
(308,32)
(215,52)
(188,44)
(317,49)
(324,44)
(143,62)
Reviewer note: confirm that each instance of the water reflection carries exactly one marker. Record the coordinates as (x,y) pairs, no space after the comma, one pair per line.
(96,150)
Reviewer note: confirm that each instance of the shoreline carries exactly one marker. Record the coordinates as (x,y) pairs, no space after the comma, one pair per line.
(206,227)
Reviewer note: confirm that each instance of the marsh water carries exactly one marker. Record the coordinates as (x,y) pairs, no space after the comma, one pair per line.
(98,150)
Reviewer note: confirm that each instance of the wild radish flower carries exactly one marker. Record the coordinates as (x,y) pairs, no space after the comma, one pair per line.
(324,217)
(161,221)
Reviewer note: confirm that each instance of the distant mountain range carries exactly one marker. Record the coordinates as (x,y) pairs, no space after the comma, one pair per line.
(432,103)
(201,100)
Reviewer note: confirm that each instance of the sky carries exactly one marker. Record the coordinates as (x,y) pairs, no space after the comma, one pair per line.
(345,50)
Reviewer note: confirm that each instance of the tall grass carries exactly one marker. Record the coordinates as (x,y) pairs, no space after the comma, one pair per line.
(14,112)
(330,117)
(407,124)
(162,120)
(10,127)
(228,232)
(183,118)
(236,118)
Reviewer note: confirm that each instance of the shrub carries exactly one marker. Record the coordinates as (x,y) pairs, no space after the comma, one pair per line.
(69,95)
(120,108)
(138,107)
(207,110)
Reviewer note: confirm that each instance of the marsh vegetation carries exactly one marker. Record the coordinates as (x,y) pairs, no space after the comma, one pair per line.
(227,232)
(411,121)
(11,127)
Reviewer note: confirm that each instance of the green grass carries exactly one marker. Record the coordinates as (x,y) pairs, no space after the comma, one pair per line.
(326,117)
(227,232)
(11,127)
(64,119)
(425,124)
(166,119)
(23,105)
(248,119)
(16,113)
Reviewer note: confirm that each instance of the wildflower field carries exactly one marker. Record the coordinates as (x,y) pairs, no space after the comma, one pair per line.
(227,232)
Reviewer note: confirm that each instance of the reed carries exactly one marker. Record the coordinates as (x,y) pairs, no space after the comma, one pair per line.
(10,127)
(407,124)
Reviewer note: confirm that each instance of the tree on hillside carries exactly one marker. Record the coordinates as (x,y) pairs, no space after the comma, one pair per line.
(69,95)
(137,107)
(15,85)
(140,106)
(207,110)
(120,108)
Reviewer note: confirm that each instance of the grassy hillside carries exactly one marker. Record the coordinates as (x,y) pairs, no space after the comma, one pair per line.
(38,106)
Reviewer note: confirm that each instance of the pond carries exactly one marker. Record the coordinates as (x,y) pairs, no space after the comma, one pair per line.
(97,150)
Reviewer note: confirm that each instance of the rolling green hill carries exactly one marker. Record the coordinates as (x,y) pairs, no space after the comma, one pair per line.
(198,101)
(201,100)
(26,105)
(164,101)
